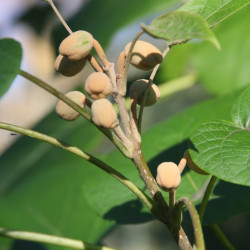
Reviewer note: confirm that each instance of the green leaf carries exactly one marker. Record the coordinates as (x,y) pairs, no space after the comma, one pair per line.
(223,150)
(214,11)
(10,60)
(241,110)
(231,70)
(178,26)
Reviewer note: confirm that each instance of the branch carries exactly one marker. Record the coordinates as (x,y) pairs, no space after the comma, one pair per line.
(54,240)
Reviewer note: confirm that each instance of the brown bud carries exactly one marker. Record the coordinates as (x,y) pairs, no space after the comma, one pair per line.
(145,56)
(138,89)
(98,85)
(192,165)
(77,45)
(65,111)
(68,67)
(168,176)
(104,114)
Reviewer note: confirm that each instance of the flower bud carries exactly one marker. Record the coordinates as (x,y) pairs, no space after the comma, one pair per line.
(168,176)
(145,56)
(192,165)
(65,111)
(104,114)
(68,67)
(138,89)
(77,45)
(98,85)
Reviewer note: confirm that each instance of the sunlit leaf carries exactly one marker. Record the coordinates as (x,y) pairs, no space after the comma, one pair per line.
(223,148)
(179,26)
(214,11)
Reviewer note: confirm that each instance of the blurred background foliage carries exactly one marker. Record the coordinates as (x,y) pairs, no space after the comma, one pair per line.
(46,190)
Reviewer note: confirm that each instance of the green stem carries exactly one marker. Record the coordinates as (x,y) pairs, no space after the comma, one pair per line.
(224,240)
(79,109)
(145,199)
(150,82)
(54,240)
(205,199)
(198,234)
(126,67)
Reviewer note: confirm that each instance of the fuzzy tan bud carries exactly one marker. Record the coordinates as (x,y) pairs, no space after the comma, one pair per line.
(98,85)
(168,176)
(68,67)
(145,56)
(65,111)
(138,89)
(77,45)
(192,165)
(104,114)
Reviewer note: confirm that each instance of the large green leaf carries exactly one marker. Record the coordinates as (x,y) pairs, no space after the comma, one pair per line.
(231,71)
(223,148)
(214,11)
(178,26)
(10,60)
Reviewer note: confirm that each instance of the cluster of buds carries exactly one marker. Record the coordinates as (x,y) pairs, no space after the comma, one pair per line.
(75,51)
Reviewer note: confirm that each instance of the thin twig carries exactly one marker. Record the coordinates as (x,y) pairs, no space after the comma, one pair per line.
(50,239)
(127,62)
(133,117)
(150,82)
(100,52)
(205,199)
(119,75)
(171,201)
(198,234)
(120,134)
(59,16)
(120,101)
(94,63)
